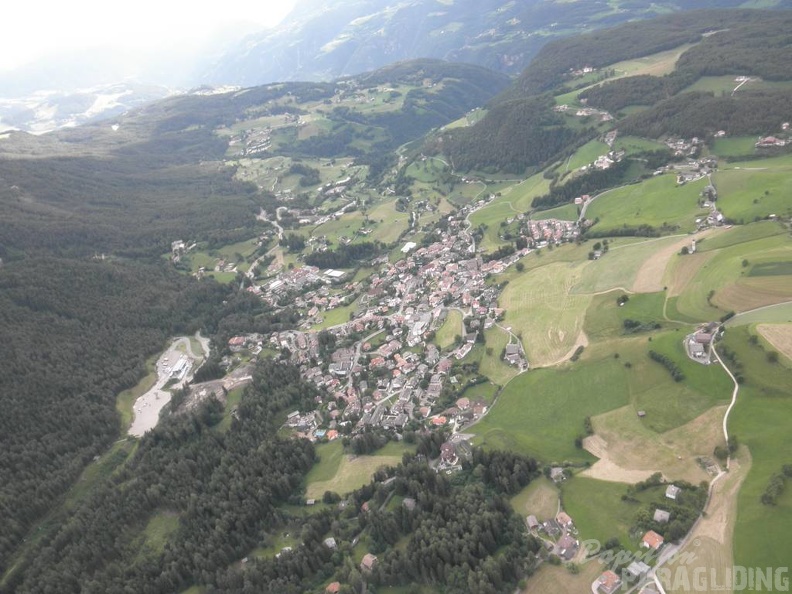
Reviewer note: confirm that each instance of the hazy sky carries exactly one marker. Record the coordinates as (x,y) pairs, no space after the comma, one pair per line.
(32,29)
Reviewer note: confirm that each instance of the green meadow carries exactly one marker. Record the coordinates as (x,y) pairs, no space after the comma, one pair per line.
(762,420)
(656,202)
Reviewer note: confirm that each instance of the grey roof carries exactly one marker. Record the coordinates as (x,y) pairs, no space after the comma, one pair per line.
(661,516)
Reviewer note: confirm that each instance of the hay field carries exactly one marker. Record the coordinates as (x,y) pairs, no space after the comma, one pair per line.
(542,309)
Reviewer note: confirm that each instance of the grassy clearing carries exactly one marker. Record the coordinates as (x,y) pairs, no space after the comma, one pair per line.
(232,401)
(619,267)
(745,195)
(567,212)
(669,404)
(559,580)
(727,277)
(347,225)
(335,316)
(540,413)
(353,472)
(597,509)
(761,420)
(628,442)
(635,144)
(738,146)
(539,498)
(329,455)
(161,526)
(451,328)
(586,155)
(605,317)
(655,65)
(656,202)
(388,222)
(543,311)
(493,365)
(779,314)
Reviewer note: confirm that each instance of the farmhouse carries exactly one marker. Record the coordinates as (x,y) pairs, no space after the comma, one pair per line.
(608,582)
(551,527)
(368,563)
(637,570)
(652,540)
(567,547)
(661,516)
(672,492)
(532,522)
(564,519)
(557,474)
(333,588)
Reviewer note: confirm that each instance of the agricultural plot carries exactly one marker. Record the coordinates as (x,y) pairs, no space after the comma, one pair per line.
(761,420)
(586,155)
(656,202)
(724,283)
(540,413)
(493,365)
(634,144)
(605,317)
(567,212)
(539,498)
(739,146)
(621,266)
(779,336)
(542,310)
(451,328)
(746,194)
(625,444)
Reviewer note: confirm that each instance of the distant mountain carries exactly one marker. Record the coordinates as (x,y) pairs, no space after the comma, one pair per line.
(45,111)
(323,40)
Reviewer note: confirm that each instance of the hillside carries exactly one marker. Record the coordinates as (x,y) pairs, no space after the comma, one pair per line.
(410,309)
(322,41)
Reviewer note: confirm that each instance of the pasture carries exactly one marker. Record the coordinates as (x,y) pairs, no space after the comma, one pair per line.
(492,365)
(738,146)
(539,498)
(342,473)
(762,421)
(754,192)
(451,328)
(635,144)
(656,202)
(542,310)
(566,212)
(540,413)
(779,336)
(586,155)
(725,279)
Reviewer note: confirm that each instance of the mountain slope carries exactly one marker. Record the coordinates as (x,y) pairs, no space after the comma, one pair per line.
(321,41)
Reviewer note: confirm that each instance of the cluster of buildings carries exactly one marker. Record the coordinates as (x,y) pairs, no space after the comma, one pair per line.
(381,367)
(559,534)
(543,232)
(699,344)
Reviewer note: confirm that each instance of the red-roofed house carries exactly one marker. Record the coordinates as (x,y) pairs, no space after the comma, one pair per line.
(652,540)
